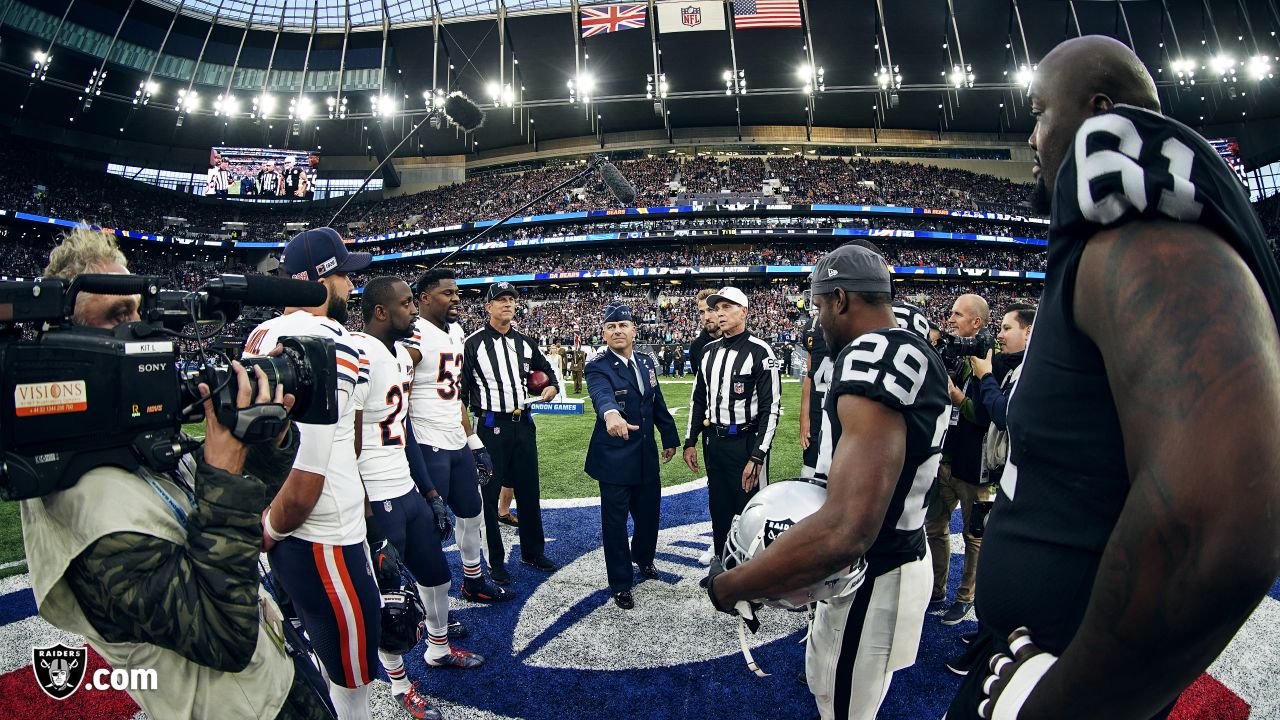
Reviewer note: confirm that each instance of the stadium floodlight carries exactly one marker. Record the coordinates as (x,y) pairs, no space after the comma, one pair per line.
(1259,67)
(961,77)
(495,93)
(227,106)
(41,67)
(730,87)
(1223,65)
(188,101)
(145,90)
(887,78)
(812,78)
(300,108)
(1185,69)
(263,105)
(383,106)
(582,88)
(337,108)
(655,87)
(1026,73)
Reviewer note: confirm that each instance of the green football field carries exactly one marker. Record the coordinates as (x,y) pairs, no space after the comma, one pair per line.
(562,450)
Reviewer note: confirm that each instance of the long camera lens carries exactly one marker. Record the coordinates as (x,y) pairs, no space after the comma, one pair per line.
(306,368)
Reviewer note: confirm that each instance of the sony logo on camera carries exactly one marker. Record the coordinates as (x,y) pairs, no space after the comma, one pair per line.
(152,367)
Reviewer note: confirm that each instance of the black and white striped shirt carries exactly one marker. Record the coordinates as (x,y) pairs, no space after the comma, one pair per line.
(494,369)
(219,180)
(738,384)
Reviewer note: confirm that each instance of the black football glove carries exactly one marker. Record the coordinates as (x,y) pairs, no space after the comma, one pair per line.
(484,465)
(443,524)
(386,566)
(750,618)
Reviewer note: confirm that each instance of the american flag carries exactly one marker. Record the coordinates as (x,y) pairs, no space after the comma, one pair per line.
(602,19)
(766,14)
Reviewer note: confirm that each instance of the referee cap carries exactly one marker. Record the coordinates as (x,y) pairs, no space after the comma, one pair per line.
(320,252)
(727,294)
(499,289)
(854,268)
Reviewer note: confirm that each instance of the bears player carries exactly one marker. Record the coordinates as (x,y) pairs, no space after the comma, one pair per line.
(314,528)
(885,418)
(452,453)
(1134,530)
(406,520)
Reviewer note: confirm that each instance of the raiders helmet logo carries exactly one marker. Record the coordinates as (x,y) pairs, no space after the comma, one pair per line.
(774,528)
(59,669)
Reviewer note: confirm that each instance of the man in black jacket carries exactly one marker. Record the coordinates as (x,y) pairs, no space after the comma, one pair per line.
(710,329)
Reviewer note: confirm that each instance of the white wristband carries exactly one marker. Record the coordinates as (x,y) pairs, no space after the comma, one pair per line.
(1020,686)
(271,531)
(474,442)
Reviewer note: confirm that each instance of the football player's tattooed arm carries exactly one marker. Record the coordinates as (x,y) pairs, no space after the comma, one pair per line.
(1193,360)
(865,466)
(199,599)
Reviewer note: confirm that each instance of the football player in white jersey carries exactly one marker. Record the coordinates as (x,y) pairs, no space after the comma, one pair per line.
(314,528)
(454,457)
(412,524)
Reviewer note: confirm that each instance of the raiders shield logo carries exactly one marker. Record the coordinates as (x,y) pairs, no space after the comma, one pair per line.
(774,528)
(59,669)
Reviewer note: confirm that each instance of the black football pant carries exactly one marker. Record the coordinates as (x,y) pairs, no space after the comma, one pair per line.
(514,448)
(725,458)
(642,502)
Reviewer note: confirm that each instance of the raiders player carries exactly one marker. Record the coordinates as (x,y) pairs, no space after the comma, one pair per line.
(813,391)
(314,529)
(451,453)
(885,417)
(1135,526)
(406,520)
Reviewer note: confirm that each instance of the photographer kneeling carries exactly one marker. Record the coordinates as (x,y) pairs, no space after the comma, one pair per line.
(160,571)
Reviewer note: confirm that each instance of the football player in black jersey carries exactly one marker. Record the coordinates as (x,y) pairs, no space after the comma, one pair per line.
(812,391)
(1135,529)
(886,413)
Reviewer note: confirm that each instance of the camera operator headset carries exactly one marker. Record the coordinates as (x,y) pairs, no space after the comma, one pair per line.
(160,571)
(314,530)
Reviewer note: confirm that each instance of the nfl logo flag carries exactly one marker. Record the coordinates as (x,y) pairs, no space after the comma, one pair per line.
(749,14)
(690,16)
(603,19)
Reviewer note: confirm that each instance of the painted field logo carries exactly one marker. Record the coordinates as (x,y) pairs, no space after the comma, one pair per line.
(59,669)
(50,398)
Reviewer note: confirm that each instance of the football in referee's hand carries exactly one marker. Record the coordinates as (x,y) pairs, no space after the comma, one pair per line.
(537,382)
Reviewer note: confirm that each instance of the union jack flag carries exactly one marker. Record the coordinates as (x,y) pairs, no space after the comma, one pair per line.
(602,19)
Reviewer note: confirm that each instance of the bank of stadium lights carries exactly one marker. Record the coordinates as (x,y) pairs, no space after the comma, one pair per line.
(582,89)
(263,106)
(41,66)
(337,108)
(960,77)
(1224,66)
(226,106)
(145,90)
(384,105)
(188,102)
(888,78)
(658,87)
(1185,69)
(812,78)
(94,87)
(1025,74)
(501,94)
(1258,67)
(300,109)
(730,86)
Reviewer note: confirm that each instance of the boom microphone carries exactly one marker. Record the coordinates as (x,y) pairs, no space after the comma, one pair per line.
(463,112)
(623,190)
(265,290)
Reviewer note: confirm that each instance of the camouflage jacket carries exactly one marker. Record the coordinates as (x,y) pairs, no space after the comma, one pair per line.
(200,599)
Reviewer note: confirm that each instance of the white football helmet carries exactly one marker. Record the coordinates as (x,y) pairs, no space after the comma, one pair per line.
(775,508)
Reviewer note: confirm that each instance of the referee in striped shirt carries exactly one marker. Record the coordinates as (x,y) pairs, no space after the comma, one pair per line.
(496,360)
(734,406)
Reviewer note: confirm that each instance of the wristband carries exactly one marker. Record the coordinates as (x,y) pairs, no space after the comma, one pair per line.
(474,442)
(1024,680)
(271,531)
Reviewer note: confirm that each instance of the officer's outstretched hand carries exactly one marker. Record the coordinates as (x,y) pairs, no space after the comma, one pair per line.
(618,427)
(667,454)
(691,458)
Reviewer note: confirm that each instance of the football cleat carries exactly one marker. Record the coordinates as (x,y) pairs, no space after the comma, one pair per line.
(464,659)
(479,590)
(417,705)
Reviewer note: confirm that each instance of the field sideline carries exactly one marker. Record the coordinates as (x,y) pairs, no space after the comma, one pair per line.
(562,450)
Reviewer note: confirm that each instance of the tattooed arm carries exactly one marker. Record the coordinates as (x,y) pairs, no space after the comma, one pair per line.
(1193,359)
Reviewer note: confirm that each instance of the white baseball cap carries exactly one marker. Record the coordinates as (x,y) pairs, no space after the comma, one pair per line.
(727,294)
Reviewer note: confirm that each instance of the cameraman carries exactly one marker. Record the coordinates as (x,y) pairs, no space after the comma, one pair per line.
(997,374)
(160,571)
(959,474)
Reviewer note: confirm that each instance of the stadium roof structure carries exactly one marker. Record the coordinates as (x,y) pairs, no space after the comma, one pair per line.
(357,75)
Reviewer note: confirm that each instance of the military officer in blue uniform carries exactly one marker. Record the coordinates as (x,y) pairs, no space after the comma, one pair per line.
(623,457)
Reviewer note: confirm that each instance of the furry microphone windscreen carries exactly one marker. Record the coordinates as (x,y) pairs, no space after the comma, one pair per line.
(617,184)
(463,112)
